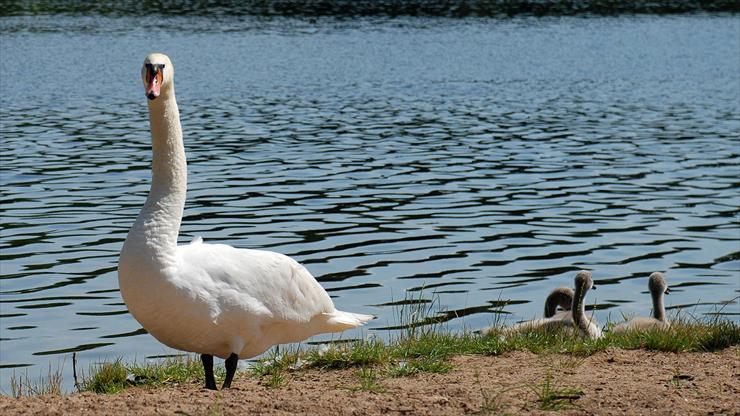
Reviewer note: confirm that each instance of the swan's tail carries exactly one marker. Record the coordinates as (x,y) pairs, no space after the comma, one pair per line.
(340,320)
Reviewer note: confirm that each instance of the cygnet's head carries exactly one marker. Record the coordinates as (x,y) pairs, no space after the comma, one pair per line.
(564,296)
(658,284)
(561,296)
(584,281)
(157,74)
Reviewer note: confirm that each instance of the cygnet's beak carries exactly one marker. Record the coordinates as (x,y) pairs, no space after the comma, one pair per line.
(667,291)
(153,78)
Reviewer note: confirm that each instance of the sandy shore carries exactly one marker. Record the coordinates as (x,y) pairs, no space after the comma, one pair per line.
(613,382)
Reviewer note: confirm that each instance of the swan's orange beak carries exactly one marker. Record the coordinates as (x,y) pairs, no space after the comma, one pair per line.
(154,75)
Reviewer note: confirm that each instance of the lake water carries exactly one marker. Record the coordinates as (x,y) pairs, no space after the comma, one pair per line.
(466,163)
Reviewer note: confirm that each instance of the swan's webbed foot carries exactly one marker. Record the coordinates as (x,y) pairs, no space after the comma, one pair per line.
(230,370)
(207,360)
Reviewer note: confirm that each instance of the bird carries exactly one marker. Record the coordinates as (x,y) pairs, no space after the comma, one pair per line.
(209,299)
(562,297)
(587,327)
(567,299)
(658,288)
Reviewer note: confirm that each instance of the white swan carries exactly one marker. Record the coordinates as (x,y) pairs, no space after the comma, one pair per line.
(210,299)
(658,287)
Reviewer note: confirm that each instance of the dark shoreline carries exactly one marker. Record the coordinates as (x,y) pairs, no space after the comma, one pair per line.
(315,8)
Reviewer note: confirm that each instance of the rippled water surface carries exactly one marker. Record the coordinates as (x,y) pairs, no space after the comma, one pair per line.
(462,162)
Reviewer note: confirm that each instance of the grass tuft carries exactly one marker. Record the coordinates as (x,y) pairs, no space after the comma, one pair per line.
(552,397)
(720,335)
(275,365)
(112,377)
(369,380)
(171,371)
(106,378)
(420,365)
(22,385)
(429,345)
(360,353)
(275,380)
(682,336)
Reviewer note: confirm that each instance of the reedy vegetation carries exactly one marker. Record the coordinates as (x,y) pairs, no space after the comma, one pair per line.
(50,383)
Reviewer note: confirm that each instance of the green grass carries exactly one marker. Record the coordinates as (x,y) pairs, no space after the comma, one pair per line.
(414,352)
(361,353)
(274,363)
(107,377)
(684,335)
(420,365)
(273,369)
(429,351)
(112,377)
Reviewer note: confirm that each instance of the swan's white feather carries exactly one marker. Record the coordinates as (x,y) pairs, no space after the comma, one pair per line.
(218,299)
(262,298)
(210,298)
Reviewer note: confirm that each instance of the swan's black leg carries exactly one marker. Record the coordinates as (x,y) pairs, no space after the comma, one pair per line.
(230,370)
(207,360)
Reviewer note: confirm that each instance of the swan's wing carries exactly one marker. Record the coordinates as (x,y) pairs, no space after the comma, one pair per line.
(262,283)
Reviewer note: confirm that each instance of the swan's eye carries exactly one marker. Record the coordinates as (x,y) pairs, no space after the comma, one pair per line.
(153,78)
(154,73)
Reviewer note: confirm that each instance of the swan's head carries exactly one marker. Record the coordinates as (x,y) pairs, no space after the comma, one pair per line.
(157,74)
(584,281)
(657,284)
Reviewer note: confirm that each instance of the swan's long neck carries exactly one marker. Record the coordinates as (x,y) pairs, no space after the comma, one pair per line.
(579,309)
(158,224)
(551,305)
(658,307)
